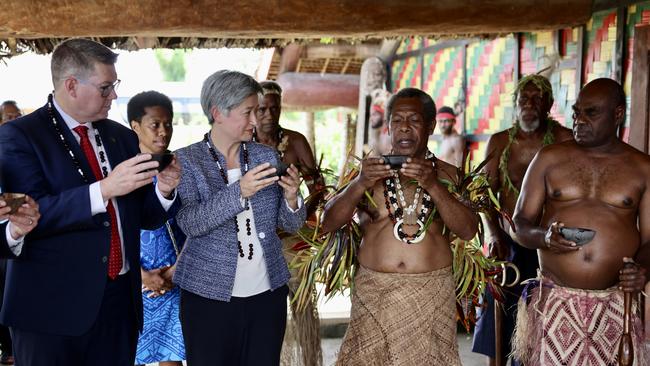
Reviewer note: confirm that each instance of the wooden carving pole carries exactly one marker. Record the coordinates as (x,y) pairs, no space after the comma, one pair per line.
(498,333)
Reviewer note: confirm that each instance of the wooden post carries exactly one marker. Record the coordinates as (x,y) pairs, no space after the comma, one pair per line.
(639,118)
(311,131)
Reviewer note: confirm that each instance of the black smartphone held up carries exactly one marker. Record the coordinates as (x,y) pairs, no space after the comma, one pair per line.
(163,160)
(578,235)
(281,170)
(395,161)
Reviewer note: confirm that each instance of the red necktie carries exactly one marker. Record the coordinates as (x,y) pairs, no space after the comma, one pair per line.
(115,251)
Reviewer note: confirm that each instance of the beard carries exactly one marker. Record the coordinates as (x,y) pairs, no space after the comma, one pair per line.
(529,126)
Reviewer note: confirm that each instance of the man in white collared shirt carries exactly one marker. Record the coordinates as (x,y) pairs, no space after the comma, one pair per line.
(73,295)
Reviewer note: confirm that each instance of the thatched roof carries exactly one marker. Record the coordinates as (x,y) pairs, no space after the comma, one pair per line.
(39,25)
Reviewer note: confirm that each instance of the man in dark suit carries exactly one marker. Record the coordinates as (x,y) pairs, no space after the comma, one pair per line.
(73,294)
(15,225)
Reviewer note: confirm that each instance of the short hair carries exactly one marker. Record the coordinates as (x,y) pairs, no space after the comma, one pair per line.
(428,105)
(540,82)
(135,109)
(271,87)
(78,57)
(225,90)
(446,109)
(7,103)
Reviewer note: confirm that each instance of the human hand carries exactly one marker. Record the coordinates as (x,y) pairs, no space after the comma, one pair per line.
(555,242)
(154,281)
(290,184)
(422,170)
(372,170)
(257,179)
(128,176)
(22,221)
(169,178)
(631,277)
(168,273)
(498,247)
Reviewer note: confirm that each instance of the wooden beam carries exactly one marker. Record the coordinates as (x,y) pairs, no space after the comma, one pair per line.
(298,66)
(347,64)
(313,90)
(324,69)
(293,19)
(341,50)
(290,60)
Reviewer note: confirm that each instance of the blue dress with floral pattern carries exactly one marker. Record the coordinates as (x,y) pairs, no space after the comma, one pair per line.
(161,338)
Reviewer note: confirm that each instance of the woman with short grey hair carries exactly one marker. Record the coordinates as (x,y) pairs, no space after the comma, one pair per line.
(232,273)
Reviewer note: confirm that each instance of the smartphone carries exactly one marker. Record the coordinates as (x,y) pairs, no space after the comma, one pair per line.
(281,170)
(163,160)
(395,161)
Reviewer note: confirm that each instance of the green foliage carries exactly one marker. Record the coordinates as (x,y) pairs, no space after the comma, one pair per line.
(172,64)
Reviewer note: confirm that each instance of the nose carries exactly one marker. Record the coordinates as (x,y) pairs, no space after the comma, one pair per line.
(253,119)
(113,94)
(405,126)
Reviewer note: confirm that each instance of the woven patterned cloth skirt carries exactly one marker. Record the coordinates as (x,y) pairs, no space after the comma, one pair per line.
(565,326)
(401,319)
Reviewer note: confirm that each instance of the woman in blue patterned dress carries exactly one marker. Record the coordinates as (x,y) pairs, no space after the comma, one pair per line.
(150,114)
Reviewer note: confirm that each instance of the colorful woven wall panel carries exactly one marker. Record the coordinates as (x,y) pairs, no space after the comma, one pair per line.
(477,152)
(601,45)
(489,85)
(409,44)
(406,73)
(443,75)
(539,54)
(534,49)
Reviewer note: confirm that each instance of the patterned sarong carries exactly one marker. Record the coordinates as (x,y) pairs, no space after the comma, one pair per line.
(566,326)
(401,319)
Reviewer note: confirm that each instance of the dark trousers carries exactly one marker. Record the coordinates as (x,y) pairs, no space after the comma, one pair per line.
(111,341)
(5,337)
(247,331)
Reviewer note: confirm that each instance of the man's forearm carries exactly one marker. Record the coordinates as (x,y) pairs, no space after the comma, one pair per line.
(457,217)
(529,236)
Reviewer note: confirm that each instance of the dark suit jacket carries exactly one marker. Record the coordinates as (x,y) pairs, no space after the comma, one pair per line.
(57,284)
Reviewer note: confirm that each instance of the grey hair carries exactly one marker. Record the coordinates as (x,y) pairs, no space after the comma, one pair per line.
(428,105)
(78,57)
(225,90)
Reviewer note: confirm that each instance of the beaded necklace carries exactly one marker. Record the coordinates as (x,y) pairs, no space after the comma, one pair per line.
(402,215)
(224,175)
(283,141)
(98,140)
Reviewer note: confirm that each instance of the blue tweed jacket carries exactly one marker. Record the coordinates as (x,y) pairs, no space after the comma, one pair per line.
(208,262)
